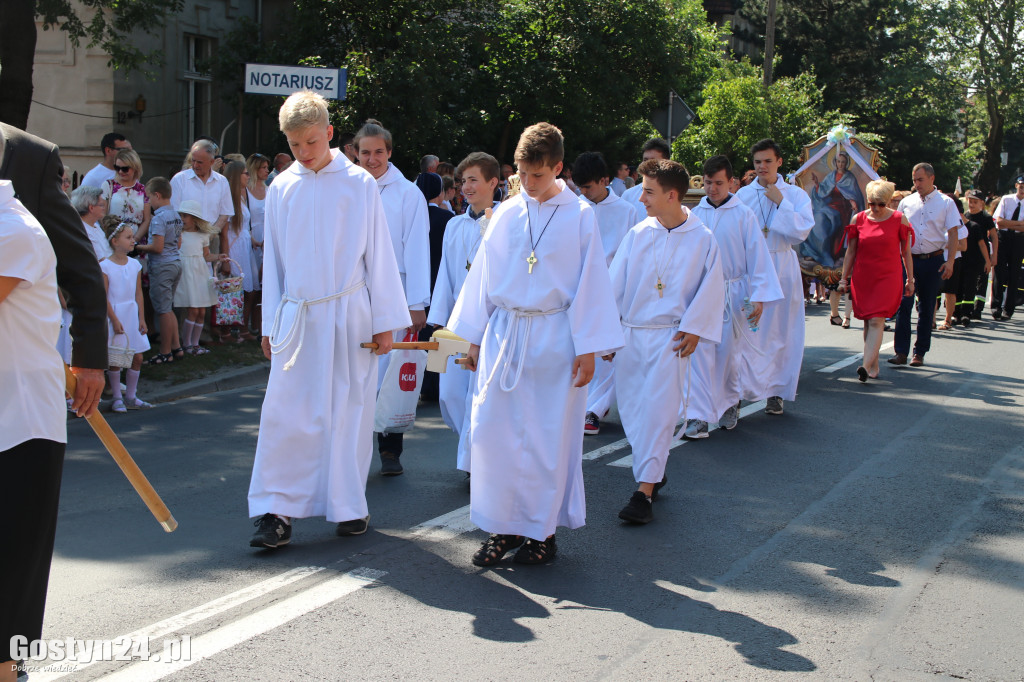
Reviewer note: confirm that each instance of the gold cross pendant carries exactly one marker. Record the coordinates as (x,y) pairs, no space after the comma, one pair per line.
(467,265)
(531,261)
(765,229)
(661,288)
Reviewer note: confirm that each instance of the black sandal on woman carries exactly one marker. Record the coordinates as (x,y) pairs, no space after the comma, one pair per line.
(178,353)
(836,320)
(536,551)
(495,547)
(160,359)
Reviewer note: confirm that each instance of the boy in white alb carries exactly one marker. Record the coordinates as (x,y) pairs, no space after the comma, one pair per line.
(749,276)
(783,212)
(462,237)
(654,148)
(409,224)
(669,292)
(330,282)
(614,219)
(536,306)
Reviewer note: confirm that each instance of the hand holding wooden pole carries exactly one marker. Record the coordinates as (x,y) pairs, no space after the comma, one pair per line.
(117,450)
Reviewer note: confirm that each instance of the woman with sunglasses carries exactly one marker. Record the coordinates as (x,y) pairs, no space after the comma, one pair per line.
(126,195)
(880,239)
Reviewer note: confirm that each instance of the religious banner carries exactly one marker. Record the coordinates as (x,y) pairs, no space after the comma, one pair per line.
(836,168)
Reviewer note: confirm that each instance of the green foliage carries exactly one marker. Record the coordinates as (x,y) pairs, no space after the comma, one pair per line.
(109,25)
(453,76)
(738,111)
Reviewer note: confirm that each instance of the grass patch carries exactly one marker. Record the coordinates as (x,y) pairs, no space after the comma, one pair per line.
(194,367)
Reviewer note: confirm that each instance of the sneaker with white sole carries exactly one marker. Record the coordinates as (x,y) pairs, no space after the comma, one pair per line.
(774,405)
(353,527)
(271,532)
(695,429)
(591,425)
(118,406)
(730,418)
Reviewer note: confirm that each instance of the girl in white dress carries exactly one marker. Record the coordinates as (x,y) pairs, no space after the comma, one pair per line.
(237,242)
(122,277)
(195,290)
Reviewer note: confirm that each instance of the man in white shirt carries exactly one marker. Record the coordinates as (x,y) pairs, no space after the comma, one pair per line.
(654,148)
(1006,275)
(618,183)
(110,145)
(936,222)
(91,206)
(200,183)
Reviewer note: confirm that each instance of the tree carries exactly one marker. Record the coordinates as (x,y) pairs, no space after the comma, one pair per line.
(988,37)
(738,111)
(878,62)
(452,76)
(107,24)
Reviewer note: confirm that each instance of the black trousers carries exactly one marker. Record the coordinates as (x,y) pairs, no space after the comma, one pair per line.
(28,506)
(390,442)
(1006,275)
(970,274)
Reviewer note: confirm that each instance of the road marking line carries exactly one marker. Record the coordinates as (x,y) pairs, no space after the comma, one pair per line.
(606,450)
(253,625)
(750,409)
(446,526)
(200,613)
(835,367)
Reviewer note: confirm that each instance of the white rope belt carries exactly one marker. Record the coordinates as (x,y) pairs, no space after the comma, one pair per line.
(512,332)
(684,382)
(298,325)
(737,320)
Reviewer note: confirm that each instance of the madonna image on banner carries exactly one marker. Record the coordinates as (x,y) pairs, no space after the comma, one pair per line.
(835,183)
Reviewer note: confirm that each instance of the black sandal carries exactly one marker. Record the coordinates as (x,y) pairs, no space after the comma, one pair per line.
(495,547)
(160,359)
(178,353)
(536,551)
(836,320)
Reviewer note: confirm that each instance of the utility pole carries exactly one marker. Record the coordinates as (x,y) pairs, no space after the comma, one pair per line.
(769,44)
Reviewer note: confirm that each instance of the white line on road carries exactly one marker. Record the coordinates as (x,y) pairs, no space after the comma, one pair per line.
(446,526)
(200,613)
(253,625)
(750,409)
(606,450)
(846,362)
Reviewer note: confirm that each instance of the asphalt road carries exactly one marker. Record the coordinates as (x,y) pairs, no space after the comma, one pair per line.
(874,531)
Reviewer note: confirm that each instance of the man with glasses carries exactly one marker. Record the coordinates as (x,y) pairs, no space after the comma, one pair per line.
(110,145)
(200,183)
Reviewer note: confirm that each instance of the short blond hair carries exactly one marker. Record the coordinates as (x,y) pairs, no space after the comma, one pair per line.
(541,143)
(879,191)
(303,109)
(130,157)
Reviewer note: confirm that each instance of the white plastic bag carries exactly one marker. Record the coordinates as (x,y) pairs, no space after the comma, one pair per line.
(400,391)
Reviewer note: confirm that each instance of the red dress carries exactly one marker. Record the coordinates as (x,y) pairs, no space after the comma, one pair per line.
(876,283)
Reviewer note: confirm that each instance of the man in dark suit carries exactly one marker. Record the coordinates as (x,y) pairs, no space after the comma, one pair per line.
(35,168)
(32,470)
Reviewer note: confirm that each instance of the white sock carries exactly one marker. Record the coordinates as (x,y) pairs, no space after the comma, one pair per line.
(114,377)
(197,331)
(131,380)
(186,333)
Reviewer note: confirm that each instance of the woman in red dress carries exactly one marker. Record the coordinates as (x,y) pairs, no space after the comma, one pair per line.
(878,238)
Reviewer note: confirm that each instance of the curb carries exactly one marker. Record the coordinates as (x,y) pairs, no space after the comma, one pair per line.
(240,378)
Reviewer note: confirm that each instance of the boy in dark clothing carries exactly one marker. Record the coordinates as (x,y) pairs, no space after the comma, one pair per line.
(982,237)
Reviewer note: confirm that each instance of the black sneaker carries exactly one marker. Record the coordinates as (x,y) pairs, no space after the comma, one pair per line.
(271,532)
(774,405)
(353,527)
(639,509)
(390,464)
(591,425)
(658,486)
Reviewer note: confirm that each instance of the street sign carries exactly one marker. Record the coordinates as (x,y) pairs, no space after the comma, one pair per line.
(271,79)
(677,112)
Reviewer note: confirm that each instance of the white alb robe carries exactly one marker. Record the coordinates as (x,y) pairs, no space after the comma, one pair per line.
(781,333)
(325,234)
(526,435)
(749,273)
(632,197)
(409,224)
(462,238)
(615,217)
(650,378)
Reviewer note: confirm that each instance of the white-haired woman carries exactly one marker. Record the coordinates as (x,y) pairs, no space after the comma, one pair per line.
(880,239)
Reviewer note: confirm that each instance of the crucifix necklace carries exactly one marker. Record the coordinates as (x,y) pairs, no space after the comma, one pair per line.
(532,259)
(760,208)
(658,270)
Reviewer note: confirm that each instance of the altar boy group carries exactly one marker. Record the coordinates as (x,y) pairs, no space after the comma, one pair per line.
(546,287)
